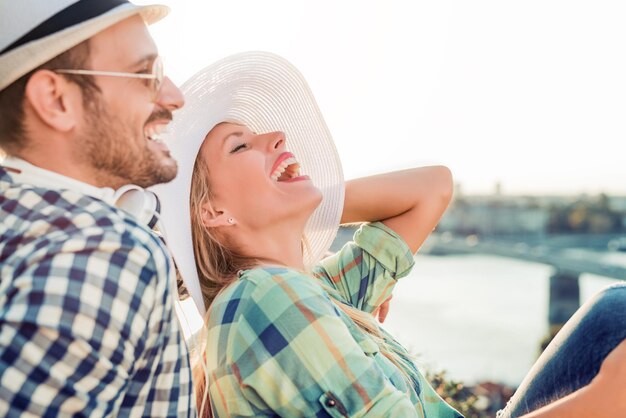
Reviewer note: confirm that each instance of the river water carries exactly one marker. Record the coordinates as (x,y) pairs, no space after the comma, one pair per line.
(477,317)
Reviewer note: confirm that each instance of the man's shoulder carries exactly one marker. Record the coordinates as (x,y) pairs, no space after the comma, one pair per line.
(43,221)
(64,239)
(65,210)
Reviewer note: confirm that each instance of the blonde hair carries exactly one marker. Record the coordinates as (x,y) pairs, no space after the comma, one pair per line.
(217,264)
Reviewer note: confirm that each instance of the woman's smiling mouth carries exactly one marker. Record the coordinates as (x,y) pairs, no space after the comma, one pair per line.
(286,168)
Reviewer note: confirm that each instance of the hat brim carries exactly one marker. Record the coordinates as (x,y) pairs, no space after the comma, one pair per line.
(266,93)
(20,61)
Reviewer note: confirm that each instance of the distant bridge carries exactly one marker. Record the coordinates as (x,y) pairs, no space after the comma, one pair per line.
(572,261)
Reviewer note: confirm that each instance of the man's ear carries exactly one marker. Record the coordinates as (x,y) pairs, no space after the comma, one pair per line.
(213,218)
(55,101)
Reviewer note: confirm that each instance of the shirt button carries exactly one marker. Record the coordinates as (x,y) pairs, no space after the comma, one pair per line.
(330,403)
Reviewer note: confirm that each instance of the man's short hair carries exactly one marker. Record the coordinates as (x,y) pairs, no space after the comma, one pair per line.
(12,132)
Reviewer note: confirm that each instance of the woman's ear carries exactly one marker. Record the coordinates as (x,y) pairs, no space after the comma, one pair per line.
(212,218)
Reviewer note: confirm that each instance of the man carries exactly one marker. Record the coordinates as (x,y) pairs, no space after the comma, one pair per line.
(87,323)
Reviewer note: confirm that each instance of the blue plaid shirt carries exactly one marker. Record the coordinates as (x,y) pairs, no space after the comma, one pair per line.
(87,320)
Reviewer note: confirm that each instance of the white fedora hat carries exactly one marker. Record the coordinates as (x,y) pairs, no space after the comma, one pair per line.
(266,93)
(33,32)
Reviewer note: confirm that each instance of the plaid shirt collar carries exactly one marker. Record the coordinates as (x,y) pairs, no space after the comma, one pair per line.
(23,172)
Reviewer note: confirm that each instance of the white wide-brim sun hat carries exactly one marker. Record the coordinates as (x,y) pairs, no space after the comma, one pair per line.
(33,32)
(265,93)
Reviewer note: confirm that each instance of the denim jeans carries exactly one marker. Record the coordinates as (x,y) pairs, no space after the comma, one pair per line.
(574,357)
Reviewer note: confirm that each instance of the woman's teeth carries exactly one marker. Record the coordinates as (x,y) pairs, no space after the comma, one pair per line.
(288,169)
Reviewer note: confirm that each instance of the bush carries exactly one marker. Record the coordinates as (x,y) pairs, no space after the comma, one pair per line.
(480,401)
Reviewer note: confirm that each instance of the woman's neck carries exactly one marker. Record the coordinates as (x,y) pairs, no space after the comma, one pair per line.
(275,246)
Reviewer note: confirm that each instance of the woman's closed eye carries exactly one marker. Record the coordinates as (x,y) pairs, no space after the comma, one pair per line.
(239,147)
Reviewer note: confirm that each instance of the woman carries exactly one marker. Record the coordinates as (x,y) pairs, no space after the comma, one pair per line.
(294,329)
(284,339)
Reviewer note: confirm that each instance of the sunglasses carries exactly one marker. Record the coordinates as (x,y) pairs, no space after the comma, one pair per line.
(155,78)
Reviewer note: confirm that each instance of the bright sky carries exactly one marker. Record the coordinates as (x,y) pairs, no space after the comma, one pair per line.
(531,94)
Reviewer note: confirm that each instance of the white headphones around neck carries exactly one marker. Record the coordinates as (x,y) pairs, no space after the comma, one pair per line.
(142,204)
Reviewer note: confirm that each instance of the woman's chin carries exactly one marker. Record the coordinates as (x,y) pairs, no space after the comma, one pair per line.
(316,200)
(307,199)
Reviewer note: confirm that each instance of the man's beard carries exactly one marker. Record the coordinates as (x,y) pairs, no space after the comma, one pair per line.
(117,155)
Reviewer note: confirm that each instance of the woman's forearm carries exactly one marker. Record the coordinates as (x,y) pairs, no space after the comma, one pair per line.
(410,202)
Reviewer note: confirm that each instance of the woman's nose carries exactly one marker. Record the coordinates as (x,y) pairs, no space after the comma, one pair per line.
(276,140)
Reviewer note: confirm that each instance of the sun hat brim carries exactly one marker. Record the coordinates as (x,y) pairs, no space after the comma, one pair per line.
(266,93)
(19,61)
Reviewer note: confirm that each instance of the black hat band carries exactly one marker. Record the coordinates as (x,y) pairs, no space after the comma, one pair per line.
(72,15)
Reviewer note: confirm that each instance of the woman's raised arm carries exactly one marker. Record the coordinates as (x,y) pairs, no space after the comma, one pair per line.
(410,202)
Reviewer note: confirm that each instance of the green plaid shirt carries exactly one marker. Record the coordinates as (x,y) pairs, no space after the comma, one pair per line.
(278,345)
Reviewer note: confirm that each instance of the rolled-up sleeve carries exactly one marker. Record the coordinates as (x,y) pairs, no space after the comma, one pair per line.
(365,271)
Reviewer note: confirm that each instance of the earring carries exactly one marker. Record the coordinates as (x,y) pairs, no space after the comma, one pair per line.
(231,221)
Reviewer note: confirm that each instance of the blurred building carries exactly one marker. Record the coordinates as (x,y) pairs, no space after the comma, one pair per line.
(496,216)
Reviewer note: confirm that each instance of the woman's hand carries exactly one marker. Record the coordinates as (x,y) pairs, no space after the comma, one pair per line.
(410,202)
(382,311)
